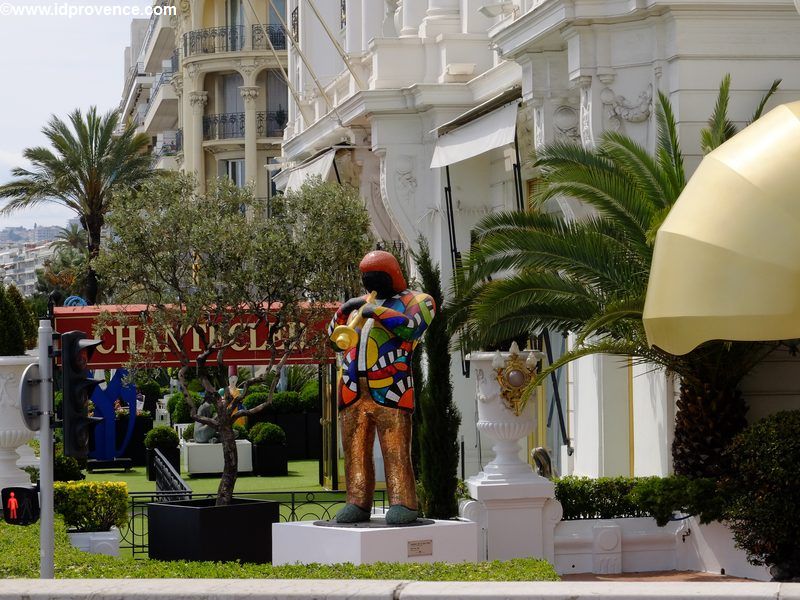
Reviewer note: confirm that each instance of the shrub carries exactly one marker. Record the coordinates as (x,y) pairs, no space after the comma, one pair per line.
(12,335)
(30,326)
(764,493)
(602,498)
(178,410)
(240,431)
(149,388)
(310,397)
(188,433)
(161,437)
(283,403)
(92,506)
(66,468)
(297,376)
(661,497)
(267,434)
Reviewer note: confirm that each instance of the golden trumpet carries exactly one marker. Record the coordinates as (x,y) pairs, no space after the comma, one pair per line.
(346,336)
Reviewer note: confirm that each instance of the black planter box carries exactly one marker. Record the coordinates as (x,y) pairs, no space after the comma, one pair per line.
(173,455)
(199,530)
(270,460)
(303,432)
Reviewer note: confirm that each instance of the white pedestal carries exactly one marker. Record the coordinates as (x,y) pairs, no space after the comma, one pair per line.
(199,459)
(305,543)
(519,519)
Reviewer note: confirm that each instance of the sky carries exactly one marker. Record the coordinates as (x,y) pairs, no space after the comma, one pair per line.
(52,65)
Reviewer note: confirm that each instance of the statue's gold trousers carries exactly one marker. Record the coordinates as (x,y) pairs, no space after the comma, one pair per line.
(359,423)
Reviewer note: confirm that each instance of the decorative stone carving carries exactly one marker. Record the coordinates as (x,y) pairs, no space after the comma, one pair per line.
(186,8)
(389,27)
(538,126)
(565,124)
(405,181)
(13,432)
(198,99)
(177,84)
(249,93)
(192,70)
(587,135)
(618,109)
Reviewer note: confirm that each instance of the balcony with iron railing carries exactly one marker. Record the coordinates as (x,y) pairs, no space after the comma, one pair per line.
(276,35)
(213,40)
(227,126)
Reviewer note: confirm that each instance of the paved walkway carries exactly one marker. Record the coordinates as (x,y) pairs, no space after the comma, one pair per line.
(654,576)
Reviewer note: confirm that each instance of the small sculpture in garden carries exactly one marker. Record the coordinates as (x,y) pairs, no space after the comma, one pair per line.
(205,434)
(377,335)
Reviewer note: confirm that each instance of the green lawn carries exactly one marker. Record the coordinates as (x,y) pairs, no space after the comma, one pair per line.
(303,476)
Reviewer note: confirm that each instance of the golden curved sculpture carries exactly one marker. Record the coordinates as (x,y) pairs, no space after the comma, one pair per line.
(346,336)
(726,263)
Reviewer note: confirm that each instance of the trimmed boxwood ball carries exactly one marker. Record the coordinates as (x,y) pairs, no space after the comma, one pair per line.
(764,491)
(161,437)
(267,434)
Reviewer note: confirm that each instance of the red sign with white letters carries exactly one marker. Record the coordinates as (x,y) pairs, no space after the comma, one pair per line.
(118,339)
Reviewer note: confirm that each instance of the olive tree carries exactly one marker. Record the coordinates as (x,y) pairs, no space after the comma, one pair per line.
(209,269)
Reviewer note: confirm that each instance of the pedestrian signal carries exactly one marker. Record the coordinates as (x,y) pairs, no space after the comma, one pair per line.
(20,505)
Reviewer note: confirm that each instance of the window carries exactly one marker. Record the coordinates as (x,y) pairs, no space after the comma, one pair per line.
(235,13)
(277,8)
(295,24)
(234,170)
(232,97)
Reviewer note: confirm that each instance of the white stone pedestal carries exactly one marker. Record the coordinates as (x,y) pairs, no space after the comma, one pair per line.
(519,519)
(198,459)
(442,541)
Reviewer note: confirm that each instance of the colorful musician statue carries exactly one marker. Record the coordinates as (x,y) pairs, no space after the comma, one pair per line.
(377,335)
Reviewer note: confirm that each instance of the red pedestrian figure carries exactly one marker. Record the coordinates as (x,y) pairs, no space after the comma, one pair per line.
(13,504)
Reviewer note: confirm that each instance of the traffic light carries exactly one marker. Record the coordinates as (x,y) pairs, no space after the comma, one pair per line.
(77,387)
(20,505)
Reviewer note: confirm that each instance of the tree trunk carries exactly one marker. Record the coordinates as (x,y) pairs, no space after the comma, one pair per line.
(230,467)
(707,419)
(94,229)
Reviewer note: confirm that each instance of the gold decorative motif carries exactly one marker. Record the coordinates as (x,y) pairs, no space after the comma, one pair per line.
(513,376)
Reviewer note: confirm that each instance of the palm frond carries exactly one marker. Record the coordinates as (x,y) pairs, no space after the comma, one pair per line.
(720,128)
(670,157)
(760,108)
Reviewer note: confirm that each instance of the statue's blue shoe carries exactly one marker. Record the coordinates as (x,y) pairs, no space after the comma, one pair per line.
(400,515)
(352,513)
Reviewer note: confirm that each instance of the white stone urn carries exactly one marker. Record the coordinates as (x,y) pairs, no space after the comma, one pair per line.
(13,432)
(500,379)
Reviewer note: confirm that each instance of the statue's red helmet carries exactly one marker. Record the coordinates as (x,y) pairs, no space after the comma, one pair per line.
(385,262)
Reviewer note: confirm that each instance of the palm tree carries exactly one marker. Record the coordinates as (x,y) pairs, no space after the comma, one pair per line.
(86,165)
(70,237)
(590,277)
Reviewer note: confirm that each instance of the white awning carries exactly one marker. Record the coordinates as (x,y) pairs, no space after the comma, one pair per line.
(481,135)
(293,179)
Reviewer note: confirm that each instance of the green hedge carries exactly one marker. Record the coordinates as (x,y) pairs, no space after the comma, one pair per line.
(620,497)
(19,558)
(91,506)
(283,403)
(177,408)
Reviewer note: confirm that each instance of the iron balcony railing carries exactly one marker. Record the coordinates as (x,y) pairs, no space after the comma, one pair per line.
(223,126)
(228,126)
(212,40)
(275,33)
(162,79)
(179,140)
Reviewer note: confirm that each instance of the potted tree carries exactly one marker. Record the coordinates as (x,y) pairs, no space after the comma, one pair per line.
(270,455)
(210,272)
(13,362)
(166,440)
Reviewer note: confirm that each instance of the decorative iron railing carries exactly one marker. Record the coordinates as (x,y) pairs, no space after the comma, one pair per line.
(275,33)
(294,24)
(179,140)
(163,78)
(212,40)
(270,123)
(223,126)
(295,506)
(168,480)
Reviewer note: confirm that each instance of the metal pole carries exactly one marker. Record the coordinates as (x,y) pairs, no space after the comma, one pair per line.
(46,531)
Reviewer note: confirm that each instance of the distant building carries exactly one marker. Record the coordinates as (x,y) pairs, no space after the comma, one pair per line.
(18,265)
(205,86)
